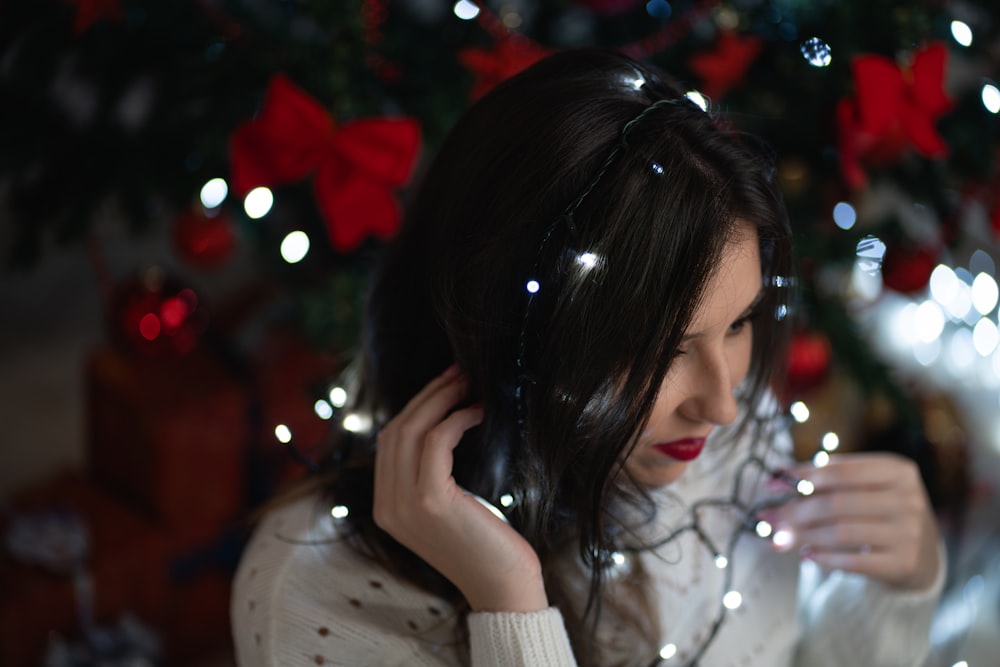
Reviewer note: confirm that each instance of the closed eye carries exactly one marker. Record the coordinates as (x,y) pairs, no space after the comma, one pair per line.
(740,324)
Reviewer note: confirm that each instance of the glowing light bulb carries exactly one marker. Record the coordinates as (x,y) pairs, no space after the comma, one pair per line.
(991,98)
(214,192)
(356,423)
(985,337)
(821,459)
(721,562)
(984,293)
(800,412)
(323,409)
(816,52)
(962,33)
(339,512)
(732,600)
(830,441)
(466,10)
(533,287)
(587,260)
(763,528)
(618,558)
(943,284)
(668,651)
(698,99)
(283,434)
(258,203)
(338,397)
(805,487)
(844,215)
(929,321)
(782,538)
(295,247)
(506,500)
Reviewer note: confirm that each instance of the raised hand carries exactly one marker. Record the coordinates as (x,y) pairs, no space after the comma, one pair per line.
(869,514)
(418,502)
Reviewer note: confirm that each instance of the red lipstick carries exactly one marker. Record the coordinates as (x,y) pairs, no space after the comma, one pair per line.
(685,449)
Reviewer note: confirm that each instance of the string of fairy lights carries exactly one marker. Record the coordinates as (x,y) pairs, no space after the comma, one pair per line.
(954,325)
(740,504)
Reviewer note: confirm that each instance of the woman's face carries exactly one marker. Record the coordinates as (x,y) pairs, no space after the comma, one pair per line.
(697,392)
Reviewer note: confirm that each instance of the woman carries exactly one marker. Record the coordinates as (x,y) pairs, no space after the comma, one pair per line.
(579,323)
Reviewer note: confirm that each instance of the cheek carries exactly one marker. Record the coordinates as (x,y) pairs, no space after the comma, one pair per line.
(739,357)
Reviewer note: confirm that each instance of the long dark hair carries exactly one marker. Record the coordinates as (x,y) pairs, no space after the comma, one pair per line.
(595,344)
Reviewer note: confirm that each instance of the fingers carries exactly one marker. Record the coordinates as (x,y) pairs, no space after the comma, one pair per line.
(436,459)
(413,458)
(868,514)
(820,507)
(396,455)
(861,470)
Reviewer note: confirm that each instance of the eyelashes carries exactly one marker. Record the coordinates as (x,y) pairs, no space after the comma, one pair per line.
(735,328)
(739,324)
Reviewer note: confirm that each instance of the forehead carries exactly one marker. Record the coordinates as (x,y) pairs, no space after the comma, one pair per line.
(734,285)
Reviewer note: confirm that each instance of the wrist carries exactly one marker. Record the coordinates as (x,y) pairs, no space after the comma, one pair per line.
(520,596)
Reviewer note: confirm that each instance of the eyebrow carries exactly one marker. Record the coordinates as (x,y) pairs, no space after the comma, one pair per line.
(746,311)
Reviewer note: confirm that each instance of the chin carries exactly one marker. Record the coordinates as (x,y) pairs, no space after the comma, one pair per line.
(654,476)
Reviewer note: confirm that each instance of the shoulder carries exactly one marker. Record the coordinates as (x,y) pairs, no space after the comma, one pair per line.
(304,595)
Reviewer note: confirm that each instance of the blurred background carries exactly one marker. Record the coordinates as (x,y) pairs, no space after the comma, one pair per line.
(192,193)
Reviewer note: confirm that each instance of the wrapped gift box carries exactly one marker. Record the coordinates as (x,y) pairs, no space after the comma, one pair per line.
(169,437)
(289,377)
(126,560)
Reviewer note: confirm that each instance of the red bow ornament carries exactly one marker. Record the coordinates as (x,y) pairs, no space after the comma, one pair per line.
(726,66)
(355,166)
(507,58)
(893,108)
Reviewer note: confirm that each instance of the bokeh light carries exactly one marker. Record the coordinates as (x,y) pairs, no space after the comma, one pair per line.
(295,247)
(258,203)
(214,192)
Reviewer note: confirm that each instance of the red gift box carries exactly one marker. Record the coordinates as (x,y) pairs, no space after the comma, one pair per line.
(290,376)
(169,436)
(126,561)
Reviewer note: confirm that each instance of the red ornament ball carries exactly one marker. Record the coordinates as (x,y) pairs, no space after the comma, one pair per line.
(156,316)
(809,359)
(202,240)
(908,270)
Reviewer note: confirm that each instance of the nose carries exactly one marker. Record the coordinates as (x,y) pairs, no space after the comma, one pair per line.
(710,397)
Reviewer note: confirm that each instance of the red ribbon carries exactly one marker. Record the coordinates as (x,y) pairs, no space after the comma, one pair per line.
(725,67)
(892,109)
(509,56)
(355,166)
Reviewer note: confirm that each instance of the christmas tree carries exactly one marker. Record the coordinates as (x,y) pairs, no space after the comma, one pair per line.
(289,131)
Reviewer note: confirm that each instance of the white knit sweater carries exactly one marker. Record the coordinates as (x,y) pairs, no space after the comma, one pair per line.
(304,597)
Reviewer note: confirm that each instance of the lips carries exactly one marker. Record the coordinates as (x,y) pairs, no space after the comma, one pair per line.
(685,449)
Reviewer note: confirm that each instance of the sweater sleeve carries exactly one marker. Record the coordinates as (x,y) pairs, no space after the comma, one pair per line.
(848,619)
(519,639)
(302,596)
